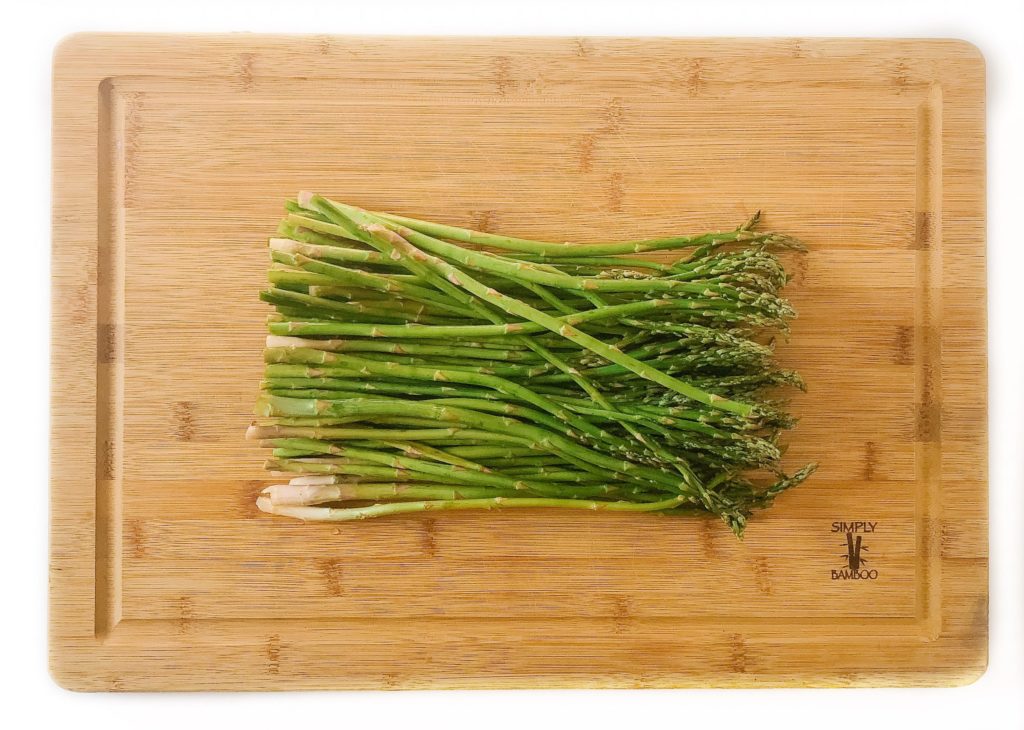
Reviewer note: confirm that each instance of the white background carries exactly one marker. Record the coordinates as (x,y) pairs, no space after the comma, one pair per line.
(30,30)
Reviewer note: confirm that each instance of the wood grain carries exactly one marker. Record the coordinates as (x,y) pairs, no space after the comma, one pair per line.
(172,155)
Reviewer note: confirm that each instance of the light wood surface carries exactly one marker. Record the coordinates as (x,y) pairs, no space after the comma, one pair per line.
(172,156)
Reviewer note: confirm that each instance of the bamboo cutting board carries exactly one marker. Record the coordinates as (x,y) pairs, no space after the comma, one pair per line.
(172,156)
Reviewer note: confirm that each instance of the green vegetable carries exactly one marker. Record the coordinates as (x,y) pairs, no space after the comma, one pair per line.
(411,370)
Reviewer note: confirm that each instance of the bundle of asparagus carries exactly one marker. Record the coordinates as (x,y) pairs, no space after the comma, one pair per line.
(412,372)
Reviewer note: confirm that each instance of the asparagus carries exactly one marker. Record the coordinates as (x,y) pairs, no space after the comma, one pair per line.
(334,514)
(407,369)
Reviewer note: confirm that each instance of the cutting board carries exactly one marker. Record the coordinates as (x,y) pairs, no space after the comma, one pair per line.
(172,156)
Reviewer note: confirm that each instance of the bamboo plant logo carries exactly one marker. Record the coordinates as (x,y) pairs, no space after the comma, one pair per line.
(854,558)
(853,552)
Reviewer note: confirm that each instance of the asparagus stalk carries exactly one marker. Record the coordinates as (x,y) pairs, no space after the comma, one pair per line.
(545,250)
(334,514)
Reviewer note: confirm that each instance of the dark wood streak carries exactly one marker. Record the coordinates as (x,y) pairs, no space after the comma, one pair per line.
(928,423)
(901,75)
(586,145)
(186,615)
(106,343)
(245,75)
(903,345)
(737,653)
(622,614)
(108,458)
(801,266)
(759,564)
(707,538)
(332,573)
(614,115)
(429,533)
(137,538)
(483,220)
(502,75)
(947,539)
(924,229)
(870,460)
(695,81)
(184,420)
(273,652)
(616,192)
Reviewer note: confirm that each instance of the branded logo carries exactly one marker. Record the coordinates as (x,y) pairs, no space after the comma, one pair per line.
(854,557)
